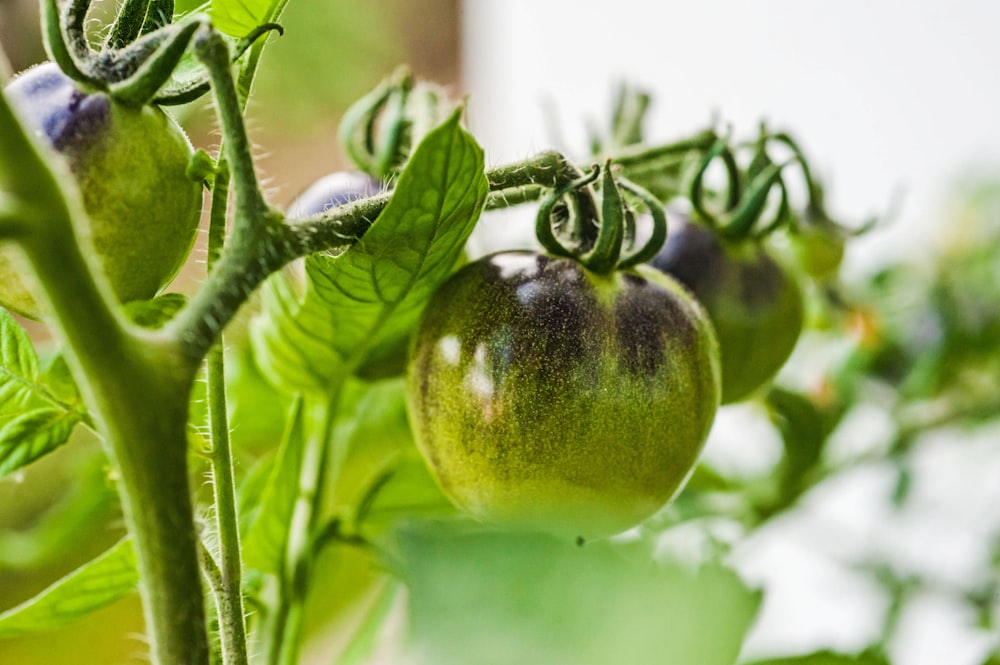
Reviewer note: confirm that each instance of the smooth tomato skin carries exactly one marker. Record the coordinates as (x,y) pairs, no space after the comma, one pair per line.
(546,396)
(818,252)
(130,168)
(756,306)
(332,190)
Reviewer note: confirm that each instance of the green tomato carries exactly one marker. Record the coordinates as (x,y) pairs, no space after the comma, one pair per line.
(819,250)
(756,306)
(543,395)
(130,166)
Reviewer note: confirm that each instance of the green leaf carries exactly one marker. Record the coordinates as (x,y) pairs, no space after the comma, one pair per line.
(825,658)
(27,436)
(383,478)
(89,499)
(18,365)
(358,309)
(371,633)
(33,419)
(90,587)
(238,18)
(155,313)
(264,545)
(481,597)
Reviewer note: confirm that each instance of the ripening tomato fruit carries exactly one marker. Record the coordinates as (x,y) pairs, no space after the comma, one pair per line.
(755,304)
(548,396)
(130,167)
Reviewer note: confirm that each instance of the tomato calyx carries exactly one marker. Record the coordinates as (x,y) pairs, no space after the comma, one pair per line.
(136,63)
(602,236)
(380,129)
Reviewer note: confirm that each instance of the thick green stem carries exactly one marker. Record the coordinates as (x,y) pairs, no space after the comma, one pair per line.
(136,385)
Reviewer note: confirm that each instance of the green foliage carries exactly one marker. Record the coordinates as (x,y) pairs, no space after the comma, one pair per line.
(38,409)
(826,658)
(480,597)
(92,586)
(358,309)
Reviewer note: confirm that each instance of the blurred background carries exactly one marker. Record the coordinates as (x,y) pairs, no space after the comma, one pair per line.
(896,103)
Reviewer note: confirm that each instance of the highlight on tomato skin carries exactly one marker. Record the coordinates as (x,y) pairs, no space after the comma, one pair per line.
(755,304)
(543,395)
(130,167)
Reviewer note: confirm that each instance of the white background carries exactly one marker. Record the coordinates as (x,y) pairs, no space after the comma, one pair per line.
(887,96)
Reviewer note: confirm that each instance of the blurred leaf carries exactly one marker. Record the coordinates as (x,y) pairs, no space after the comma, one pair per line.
(825,658)
(802,427)
(89,500)
(359,307)
(18,365)
(27,436)
(256,410)
(58,379)
(369,635)
(238,18)
(382,476)
(265,542)
(480,597)
(335,50)
(33,420)
(156,312)
(90,587)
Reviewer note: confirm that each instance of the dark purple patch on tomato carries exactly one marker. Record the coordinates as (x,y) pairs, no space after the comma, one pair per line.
(69,117)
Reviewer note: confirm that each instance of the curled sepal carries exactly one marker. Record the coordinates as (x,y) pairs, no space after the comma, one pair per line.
(74,22)
(628,115)
(160,14)
(59,49)
(547,212)
(155,71)
(658,236)
(359,128)
(739,221)
(128,24)
(720,149)
(604,256)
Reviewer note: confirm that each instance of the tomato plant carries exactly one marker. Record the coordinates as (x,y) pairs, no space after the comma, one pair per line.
(755,304)
(544,394)
(515,442)
(130,167)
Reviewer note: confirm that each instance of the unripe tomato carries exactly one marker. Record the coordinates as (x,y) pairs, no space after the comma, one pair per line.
(130,167)
(755,304)
(545,395)
(819,251)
